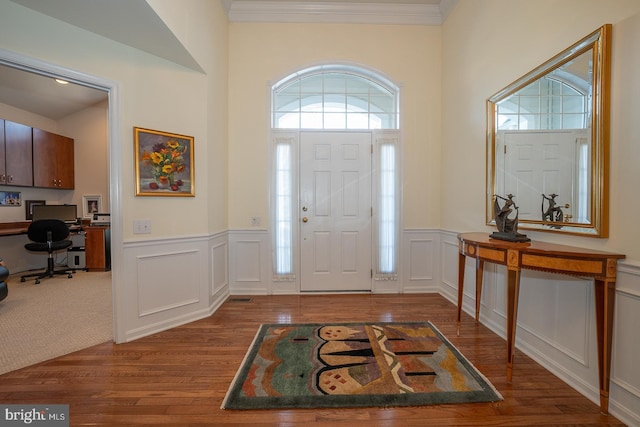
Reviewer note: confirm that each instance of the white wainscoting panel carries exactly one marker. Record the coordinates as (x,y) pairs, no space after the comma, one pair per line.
(162,289)
(249,259)
(219,260)
(625,374)
(171,282)
(250,264)
(420,258)
(449,265)
(553,300)
(546,301)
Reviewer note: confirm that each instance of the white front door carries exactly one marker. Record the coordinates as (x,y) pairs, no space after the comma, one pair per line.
(533,167)
(335,211)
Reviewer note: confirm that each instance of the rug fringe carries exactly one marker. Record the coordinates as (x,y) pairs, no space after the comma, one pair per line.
(462,356)
(244,359)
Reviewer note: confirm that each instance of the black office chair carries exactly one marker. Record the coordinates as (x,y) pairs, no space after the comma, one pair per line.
(4,274)
(48,235)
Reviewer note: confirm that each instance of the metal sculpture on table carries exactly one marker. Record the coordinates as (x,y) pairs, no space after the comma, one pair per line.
(552,213)
(507,226)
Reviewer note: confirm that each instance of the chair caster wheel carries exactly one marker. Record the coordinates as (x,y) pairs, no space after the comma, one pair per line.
(22,279)
(69,276)
(37,281)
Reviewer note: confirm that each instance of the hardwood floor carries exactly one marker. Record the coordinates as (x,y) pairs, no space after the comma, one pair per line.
(180,377)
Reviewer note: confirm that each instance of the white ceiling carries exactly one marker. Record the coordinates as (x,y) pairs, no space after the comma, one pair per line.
(43,95)
(136,24)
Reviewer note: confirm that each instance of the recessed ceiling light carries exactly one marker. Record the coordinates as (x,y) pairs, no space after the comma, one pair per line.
(62,82)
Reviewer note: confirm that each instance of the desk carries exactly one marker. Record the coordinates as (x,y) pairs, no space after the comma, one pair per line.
(18,228)
(574,261)
(14,228)
(98,248)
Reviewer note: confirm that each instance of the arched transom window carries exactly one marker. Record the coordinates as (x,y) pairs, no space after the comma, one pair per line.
(334,97)
(547,103)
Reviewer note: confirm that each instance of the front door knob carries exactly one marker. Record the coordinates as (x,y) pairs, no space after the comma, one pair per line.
(305,219)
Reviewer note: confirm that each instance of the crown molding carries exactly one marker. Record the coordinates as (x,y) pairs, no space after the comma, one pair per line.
(335,12)
(446,6)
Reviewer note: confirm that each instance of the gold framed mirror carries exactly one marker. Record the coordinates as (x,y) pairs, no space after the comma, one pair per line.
(548,141)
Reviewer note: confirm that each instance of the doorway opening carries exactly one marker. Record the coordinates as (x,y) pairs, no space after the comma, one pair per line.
(335,183)
(94,87)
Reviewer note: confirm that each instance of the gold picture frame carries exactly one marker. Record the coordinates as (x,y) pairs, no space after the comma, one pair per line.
(164,163)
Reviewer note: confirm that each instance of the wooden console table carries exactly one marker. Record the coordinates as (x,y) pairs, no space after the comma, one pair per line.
(574,261)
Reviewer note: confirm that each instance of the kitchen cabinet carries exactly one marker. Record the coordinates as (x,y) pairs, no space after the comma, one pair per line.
(53,160)
(16,166)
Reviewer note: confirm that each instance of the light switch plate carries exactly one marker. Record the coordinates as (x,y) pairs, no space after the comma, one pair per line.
(142,226)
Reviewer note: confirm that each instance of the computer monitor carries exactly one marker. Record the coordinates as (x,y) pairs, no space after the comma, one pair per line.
(66,213)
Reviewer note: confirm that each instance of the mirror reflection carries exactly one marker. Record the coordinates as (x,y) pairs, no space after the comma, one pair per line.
(547,141)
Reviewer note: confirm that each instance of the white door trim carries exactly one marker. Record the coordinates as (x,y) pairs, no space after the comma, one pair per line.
(37,66)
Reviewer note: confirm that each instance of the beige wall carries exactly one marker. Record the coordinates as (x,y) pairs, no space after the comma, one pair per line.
(201,25)
(446,73)
(17,115)
(489,44)
(154,93)
(261,54)
(89,129)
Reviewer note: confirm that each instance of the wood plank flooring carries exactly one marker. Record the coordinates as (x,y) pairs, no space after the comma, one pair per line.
(180,377)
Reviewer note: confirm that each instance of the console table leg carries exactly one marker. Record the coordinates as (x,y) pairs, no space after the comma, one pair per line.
(461,262)
(605,294)
(513,288)
(479,275)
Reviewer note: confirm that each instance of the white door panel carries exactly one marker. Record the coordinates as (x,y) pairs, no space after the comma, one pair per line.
(533,168)
(335,211)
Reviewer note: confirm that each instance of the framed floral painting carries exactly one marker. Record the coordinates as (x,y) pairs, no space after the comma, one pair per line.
(164,163)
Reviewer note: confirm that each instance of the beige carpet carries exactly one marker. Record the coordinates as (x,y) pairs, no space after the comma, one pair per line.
(56,317)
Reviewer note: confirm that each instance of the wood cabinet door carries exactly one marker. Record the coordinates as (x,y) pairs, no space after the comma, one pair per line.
(53,159)
(44,159)
(65,161)
(17,154)
(94,247)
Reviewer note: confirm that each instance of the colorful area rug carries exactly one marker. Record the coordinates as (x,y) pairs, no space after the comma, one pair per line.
(354,365)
